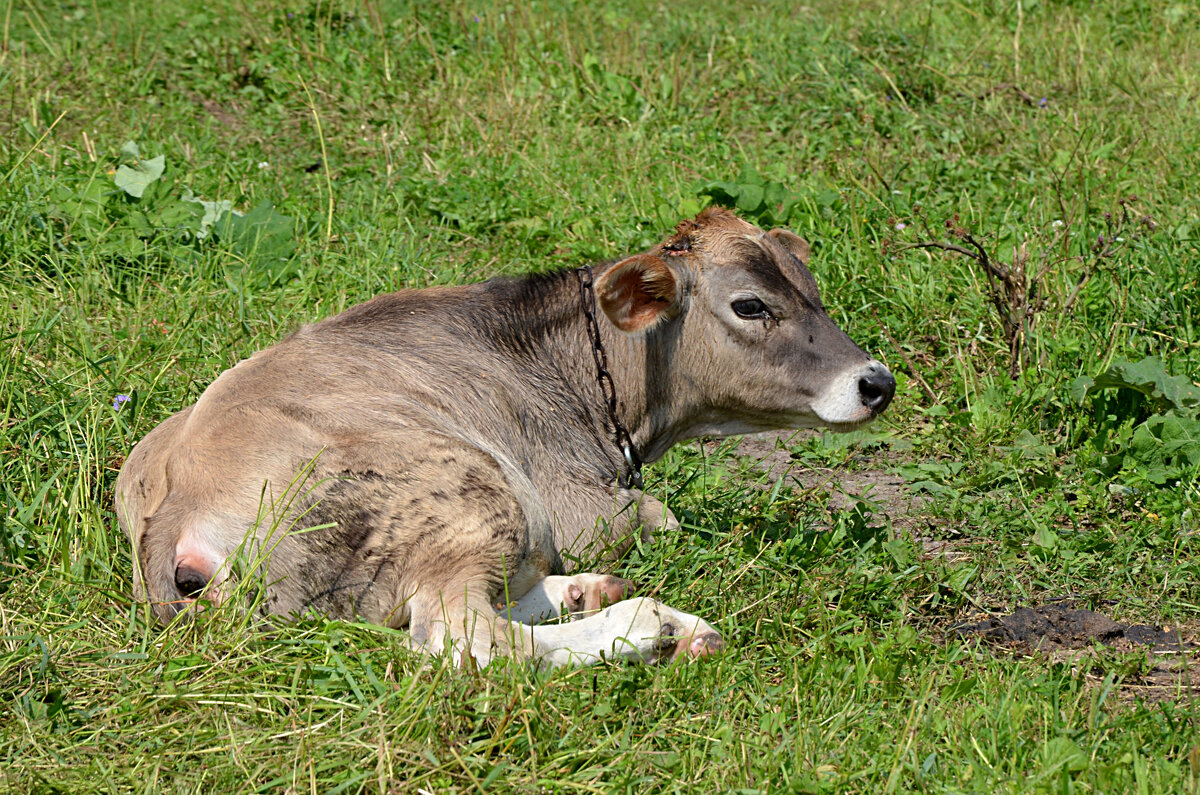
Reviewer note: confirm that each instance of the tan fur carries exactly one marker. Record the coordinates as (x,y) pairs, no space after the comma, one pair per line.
(427,455)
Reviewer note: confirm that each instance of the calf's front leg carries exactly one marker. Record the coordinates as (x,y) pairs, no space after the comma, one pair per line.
(603,524)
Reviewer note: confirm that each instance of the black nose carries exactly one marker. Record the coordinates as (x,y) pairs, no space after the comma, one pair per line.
(877,388)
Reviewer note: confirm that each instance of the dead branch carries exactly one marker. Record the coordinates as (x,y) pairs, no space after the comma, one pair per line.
(1017,294)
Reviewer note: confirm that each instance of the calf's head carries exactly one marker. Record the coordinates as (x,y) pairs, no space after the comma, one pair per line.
(737,338)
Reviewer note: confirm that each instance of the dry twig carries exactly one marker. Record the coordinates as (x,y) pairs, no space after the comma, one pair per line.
(1016,293)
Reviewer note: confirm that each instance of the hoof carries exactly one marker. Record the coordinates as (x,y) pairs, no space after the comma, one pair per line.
(706,644)
(592,592)
(608,590)
(703,642)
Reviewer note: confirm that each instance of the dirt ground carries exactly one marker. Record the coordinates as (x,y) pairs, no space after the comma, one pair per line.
(1060,625)
(877,486)
(887,493)
(1156,663)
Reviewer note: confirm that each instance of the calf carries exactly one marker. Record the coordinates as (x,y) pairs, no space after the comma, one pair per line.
(426,459)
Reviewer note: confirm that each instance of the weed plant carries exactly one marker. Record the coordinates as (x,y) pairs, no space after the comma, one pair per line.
(183,184)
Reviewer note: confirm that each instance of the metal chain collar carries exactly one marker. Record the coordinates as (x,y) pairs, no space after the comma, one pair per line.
(631,473)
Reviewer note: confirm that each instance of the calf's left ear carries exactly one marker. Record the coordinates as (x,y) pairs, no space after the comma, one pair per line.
(637,293)
(793,243)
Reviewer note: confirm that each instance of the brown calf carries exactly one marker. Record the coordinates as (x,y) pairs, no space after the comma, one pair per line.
(429,455)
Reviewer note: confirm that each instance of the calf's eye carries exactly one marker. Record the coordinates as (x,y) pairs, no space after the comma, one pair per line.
(751,309)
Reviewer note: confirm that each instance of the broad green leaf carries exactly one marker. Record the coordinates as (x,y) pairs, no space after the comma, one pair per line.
(750,198)
(1046,538)
(262,234)
(722,192)
(1081,387)
(1028,446)
(1148,376)
(960,577)
(828,198)
(85,205)
(750,176)
(1164,448)
(177,215)
(1181,438)
(212,212)
(774,194)
(689,208)
(135,177)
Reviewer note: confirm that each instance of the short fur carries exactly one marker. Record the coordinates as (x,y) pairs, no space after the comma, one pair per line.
(423,457)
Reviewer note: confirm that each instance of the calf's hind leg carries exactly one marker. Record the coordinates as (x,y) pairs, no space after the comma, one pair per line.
(457,535)
(460,554)
(579,595)
(636,630)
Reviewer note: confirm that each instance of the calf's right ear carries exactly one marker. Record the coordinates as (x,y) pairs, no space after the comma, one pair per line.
(637,293)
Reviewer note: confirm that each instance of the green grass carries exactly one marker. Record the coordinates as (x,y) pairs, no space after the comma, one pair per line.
(412,145)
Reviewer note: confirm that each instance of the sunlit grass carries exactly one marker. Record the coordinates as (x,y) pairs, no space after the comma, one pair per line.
(460,142)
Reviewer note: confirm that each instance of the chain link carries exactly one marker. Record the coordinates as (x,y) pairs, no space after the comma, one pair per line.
(631,472)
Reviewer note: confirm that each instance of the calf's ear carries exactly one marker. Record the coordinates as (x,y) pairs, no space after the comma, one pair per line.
(637,293)
(793,243)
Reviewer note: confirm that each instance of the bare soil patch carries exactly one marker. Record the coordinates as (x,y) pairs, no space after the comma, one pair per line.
(1169,669)
(1059,625)
(886,493)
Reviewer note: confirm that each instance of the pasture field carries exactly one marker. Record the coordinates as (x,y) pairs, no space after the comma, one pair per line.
(1044,443)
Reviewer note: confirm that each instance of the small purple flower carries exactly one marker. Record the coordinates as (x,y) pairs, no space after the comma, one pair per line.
(1043,102)
(119,400)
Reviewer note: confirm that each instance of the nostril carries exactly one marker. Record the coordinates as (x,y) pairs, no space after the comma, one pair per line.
(877,390)
(190,582)
(870,392)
